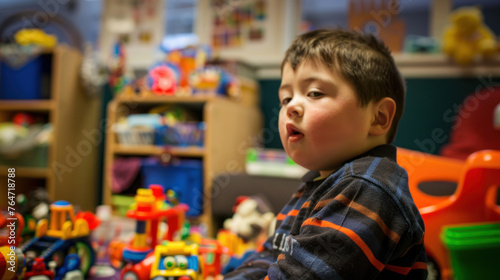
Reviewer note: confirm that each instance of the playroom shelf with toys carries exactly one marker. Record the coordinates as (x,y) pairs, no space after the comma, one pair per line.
(222,147)
(61,105)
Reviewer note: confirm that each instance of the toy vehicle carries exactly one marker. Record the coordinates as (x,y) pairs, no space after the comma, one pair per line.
(175,260)
(474,200)
(149,210)
(212,252)
(67,234)
(39,271)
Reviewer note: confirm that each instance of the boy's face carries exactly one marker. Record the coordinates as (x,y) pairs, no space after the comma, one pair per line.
(321,124)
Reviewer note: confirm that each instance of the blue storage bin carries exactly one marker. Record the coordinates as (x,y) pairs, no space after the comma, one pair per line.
(181,134)
(30,81)
(185,177)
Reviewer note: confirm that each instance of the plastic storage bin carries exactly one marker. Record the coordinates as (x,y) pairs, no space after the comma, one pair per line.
(30,81)
(185,177)
(35,157)
(137,135)
(474,250)
(181,134)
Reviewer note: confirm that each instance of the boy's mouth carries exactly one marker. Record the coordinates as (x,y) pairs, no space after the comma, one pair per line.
(294,134)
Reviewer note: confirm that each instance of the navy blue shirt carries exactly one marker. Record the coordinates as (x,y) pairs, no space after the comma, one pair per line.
(358,223)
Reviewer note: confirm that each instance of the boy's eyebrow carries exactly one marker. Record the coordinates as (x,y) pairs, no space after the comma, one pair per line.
(318,78)
(285,86)
(309,80)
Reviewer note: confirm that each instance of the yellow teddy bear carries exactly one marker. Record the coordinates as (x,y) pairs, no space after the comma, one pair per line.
(467,36)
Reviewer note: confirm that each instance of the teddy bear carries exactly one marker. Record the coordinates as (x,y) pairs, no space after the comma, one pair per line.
(467,36)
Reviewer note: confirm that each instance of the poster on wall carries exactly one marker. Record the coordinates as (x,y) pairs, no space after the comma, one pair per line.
(136,26)
(254,31)
(235,25)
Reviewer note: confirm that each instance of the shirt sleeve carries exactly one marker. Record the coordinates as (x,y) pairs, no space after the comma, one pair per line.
(255,265)
(351,234)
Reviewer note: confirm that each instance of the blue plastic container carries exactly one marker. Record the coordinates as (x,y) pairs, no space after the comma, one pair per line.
(184,177)
(31,81)
(181,134)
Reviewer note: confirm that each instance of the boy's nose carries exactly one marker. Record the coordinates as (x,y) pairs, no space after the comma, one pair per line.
(294,109)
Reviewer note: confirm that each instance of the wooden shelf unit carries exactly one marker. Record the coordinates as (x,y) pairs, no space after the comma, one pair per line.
(71,171)
(231,127)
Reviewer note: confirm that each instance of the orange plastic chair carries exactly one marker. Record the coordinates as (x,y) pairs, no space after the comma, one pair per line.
(422,167)
(475,199)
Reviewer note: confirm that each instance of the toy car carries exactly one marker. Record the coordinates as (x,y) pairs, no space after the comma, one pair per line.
(175,260)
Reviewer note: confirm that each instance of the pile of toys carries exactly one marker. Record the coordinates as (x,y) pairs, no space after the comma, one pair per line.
(154,240)
(182,68)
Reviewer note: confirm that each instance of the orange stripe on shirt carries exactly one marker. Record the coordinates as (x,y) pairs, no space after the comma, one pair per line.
(267,278)
(297,195)
(352,235)
(281,216)
(405,270)
(370,214)
(322,203)
(306,204)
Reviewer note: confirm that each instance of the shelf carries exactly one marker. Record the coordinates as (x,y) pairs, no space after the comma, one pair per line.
(158,150)
(26,172)
(26,105)
(148,97)
(411,66)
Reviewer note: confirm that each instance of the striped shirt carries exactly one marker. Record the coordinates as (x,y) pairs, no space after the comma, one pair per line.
(358,223)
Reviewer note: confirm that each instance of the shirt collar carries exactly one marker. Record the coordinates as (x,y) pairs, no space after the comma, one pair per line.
(387,150)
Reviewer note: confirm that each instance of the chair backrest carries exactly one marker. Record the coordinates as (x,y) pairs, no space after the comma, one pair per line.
(422,168)
(479,185)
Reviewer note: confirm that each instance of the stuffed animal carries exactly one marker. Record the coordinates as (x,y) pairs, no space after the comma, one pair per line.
(252,219)
(467,36)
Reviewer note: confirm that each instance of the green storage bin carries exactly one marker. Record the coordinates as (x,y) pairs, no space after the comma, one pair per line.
(35,157)
(474,250)
(121,204)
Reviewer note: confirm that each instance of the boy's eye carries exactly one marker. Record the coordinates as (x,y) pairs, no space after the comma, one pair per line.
(315,94)
(285,100)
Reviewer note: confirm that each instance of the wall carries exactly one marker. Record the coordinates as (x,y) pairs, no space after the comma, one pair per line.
(430,107)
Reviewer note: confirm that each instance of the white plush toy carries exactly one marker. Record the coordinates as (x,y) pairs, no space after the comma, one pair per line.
(250,220)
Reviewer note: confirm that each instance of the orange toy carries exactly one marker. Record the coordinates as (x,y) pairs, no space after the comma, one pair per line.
(474,200)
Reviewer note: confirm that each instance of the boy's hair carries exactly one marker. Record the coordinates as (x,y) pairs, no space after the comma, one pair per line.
(361,59)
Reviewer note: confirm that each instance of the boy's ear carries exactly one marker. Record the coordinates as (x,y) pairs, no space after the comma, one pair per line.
(383,114)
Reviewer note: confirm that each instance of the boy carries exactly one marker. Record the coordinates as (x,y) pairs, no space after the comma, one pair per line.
(353,217)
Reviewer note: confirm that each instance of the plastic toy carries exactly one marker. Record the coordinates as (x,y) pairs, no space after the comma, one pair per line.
(177,259)
(149,210)
(205,79)
(12,262)
(236,246)
(39,271)
(467,36)
(474,200)
(35,36)
(163,79)
(65,234)
(174,259)
(212,253)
